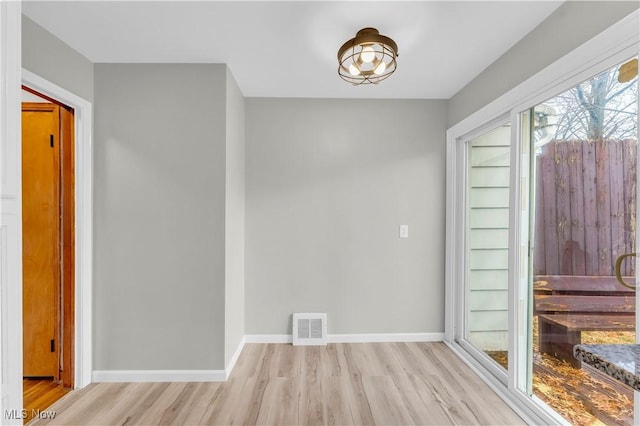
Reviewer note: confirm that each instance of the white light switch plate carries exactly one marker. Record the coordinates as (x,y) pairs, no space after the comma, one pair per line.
(404,231)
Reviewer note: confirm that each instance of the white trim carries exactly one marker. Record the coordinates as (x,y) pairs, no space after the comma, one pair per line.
(149,376)
(452,233)
(11,211)
(353,338)
(514,273)
(83,116)
(268,338)
(386,338)
(636,395)
(106,376)
(457,246)
(10,63)
(11,336)
(514,355)
(234,358)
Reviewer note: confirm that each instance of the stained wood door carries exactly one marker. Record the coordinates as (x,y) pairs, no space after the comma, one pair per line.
(41,238)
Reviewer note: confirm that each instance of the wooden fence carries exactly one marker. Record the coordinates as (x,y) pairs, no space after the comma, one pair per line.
(585,207)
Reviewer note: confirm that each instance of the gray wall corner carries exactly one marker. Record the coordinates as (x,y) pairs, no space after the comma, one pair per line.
(49,57)
(234,218)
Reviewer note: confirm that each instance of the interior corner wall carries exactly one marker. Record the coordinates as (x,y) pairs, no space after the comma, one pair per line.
(48,57)
(159,200)
(234,222)
(328,183)
(572,24)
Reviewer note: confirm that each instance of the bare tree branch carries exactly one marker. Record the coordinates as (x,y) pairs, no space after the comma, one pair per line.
(598,108)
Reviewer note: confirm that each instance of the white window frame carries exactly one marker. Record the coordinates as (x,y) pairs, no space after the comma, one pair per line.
(612,46)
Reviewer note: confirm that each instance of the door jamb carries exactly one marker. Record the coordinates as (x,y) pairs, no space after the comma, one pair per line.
(83,181)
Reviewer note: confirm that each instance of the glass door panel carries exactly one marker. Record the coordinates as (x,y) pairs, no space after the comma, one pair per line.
(583,217)
(487,242)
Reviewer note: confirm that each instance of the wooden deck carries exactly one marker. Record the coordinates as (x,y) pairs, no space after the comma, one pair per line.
(583,395)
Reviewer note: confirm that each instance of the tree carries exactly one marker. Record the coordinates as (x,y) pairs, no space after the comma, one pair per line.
(599,108)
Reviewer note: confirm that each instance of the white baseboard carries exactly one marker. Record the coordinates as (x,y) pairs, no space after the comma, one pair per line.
(353,338)
(386,337)
(105,376)
(234,358)
(268,338)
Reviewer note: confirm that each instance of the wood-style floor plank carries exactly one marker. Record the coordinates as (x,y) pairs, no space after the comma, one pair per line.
(279,384)
(337,410)
(39,394)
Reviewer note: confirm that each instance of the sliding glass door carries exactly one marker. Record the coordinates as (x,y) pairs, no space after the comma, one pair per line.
(542,217)
(583,219)
(487,242)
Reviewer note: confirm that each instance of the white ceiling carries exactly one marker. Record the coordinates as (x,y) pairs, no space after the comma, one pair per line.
(288,48)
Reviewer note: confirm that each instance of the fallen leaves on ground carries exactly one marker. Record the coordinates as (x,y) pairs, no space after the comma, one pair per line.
(581,396)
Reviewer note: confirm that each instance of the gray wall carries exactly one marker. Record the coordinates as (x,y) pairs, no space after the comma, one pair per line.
(47,56)
(159,156)
(234,222)
(328,184)
(572,24)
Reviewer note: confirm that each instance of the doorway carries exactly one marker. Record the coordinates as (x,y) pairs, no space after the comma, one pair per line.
(48,249)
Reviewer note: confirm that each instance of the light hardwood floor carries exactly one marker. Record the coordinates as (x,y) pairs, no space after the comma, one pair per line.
(38,394)
(279,384)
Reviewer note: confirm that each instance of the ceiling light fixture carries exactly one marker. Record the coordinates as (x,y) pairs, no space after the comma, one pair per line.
(368,58)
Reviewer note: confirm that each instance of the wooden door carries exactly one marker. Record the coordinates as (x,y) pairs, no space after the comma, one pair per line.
(40,238)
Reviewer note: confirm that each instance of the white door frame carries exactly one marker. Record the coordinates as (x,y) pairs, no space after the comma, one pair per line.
(11,78)
(83,186)
(11,214)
